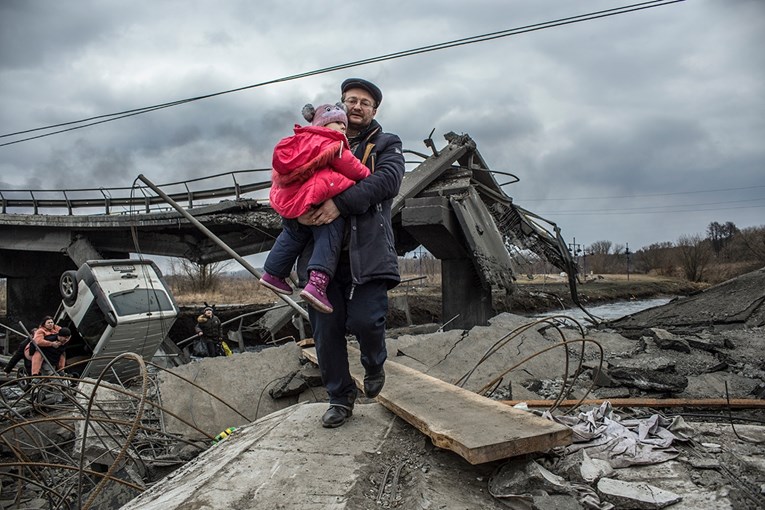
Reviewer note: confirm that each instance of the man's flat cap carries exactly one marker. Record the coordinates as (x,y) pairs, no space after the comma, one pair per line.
(370,87)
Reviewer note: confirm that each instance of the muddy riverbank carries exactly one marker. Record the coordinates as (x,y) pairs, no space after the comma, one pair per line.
(546,293)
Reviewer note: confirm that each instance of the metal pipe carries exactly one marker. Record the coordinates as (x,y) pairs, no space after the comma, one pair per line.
(709,403)
(249,267)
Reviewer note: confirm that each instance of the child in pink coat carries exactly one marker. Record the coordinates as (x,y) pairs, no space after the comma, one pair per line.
(311,166)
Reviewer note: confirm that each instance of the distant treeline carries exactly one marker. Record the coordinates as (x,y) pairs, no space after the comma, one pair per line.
(725,252)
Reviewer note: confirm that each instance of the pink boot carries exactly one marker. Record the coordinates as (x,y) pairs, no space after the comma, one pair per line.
(316,292)
(275,283)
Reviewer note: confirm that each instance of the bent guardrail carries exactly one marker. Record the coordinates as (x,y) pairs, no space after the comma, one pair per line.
(136,197)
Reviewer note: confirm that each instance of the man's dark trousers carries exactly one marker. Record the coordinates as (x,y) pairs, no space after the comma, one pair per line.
(364,315)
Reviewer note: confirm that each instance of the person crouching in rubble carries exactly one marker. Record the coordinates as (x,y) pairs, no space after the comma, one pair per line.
(209,330)
(49,340)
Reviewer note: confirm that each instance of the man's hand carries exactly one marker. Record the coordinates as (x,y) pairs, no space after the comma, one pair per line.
(325,213)
(200,333)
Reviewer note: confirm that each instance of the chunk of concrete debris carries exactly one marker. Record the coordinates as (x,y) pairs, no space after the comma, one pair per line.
(706,342)
(288,386)
(311,374)
(656,363)
(602,379)
(712,447)
(638,495)
(524,480)
(594,469)
(704,463)
(650,380)
(666,340)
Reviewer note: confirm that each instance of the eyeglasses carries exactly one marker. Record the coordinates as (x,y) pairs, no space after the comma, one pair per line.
(353,101)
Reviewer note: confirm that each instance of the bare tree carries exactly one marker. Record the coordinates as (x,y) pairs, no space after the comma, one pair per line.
(199,277)
(720,236)
(598,256)
(656,257)
(753,241)
(695,254)
(601,247)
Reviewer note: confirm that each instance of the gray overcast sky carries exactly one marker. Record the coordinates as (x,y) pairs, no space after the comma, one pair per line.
(636,128)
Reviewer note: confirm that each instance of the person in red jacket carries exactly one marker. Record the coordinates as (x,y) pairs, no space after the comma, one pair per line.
(310,167)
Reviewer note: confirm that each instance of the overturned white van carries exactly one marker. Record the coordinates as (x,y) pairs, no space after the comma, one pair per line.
(114,307)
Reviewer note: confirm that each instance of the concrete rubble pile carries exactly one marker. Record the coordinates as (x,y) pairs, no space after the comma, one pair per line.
(620,459)
(277,455)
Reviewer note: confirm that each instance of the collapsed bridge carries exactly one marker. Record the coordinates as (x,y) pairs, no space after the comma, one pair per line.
(451,204)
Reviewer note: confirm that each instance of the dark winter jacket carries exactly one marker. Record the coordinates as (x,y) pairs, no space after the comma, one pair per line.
(367,207)
(210,328)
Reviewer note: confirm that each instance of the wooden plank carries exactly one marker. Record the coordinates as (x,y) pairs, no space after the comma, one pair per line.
(475,427)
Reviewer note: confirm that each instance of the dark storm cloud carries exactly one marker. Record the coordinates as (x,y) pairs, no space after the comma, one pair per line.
(652,154)
(83,165)
(38,34)
(666,99)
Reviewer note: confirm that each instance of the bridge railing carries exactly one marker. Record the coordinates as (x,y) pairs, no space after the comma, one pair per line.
(138,198)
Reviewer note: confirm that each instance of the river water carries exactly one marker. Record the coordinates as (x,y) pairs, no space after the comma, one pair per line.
(611,311)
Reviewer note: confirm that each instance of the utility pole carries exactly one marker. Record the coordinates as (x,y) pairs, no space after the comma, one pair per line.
(419,269)
(575,249)
(584,263)
(627,253)
(419,262)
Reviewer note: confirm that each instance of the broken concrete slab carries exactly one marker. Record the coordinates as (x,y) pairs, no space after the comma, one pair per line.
(736,303)
(287,460)
(673,476)
(520,478)
(453,356)
(714,385)
(614,344)
(274,320)
(260,464)
(709,342)
(239,381)
(644,362)
(666,340)
(649,380)
(635,495)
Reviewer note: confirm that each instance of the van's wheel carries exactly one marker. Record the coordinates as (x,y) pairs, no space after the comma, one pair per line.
(21,373)
(68,287)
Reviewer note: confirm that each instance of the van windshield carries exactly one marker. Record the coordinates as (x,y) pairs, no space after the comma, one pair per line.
(131,302)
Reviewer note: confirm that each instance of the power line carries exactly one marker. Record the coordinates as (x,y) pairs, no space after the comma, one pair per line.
(559,199)
(625,212)
(100,119)
(646,208)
